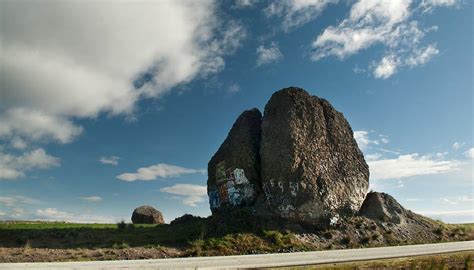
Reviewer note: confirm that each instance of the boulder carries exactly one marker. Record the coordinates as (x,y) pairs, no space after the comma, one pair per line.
(311,167)
(147,215)
(234,170)
(383,207)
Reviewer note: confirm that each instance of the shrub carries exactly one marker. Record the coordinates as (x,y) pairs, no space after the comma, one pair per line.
(346,240)
(438,231)
(365,240)
(327,234)
(121,246)
(121,225)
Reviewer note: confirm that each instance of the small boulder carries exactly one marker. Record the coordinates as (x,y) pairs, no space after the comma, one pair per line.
(147,215)
(234,170)
(383,207)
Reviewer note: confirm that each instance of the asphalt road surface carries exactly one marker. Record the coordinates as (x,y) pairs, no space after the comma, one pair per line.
(258,261)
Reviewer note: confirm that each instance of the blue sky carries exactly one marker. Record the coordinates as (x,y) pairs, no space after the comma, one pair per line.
(105,107)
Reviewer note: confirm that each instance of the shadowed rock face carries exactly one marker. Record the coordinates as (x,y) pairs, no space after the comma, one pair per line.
(147,215)
(383,207)
(312,168)
(234,170)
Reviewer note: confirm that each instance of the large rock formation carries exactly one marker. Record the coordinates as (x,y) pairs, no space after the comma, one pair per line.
(234,170)
(312,168)
(301,162)
(147,215)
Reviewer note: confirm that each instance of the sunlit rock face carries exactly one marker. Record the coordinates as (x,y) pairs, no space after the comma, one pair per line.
(300,162)
(312,169)
(234,170)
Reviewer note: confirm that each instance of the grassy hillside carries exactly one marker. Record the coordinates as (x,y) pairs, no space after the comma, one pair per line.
(192,236)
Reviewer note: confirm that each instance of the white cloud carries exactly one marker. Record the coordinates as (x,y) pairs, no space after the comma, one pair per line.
(53,214)
(112,160)
(364,141)
(268,55)
(458,145)
(372,157)
(12,167)
(18,143)
(91,199)
(362,138)
(386,67)
(17,213)
(421,56)
(384,22)
(410,165)
(450,216)
(470,153)
(37,125)
(233,88)
(245,3)
(66,60)
(429,5)
(191,194)
(160,170)
(400,184)
(458,200)
(295,13)
(16,200)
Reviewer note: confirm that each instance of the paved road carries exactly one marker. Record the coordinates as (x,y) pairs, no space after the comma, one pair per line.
(253,261)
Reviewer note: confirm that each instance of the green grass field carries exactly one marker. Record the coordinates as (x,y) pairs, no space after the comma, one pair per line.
(41,225)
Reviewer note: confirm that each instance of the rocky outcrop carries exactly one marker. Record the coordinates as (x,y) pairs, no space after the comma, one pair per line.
(300,162)
(147,215)
(383,207)
(234,170)
(312,169)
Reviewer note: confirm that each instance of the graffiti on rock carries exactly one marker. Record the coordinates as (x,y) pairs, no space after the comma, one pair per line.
(214,198)
(233,187)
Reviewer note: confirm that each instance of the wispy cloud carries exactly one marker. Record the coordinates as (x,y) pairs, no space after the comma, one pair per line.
(387,23)
(458,200)
(410,165)
(160,170)
(386,67)
(430,5)
(12,167)
(191,194)
(17,200)
(470,153)
(458,145)
(268,55)
(295,13)
(364,140)
(450,216)
(53,214)
(240,4)
(91,199)
(18,143)
(112,160)
(233,88)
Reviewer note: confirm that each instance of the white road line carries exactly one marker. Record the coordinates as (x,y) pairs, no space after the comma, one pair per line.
(261,260)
